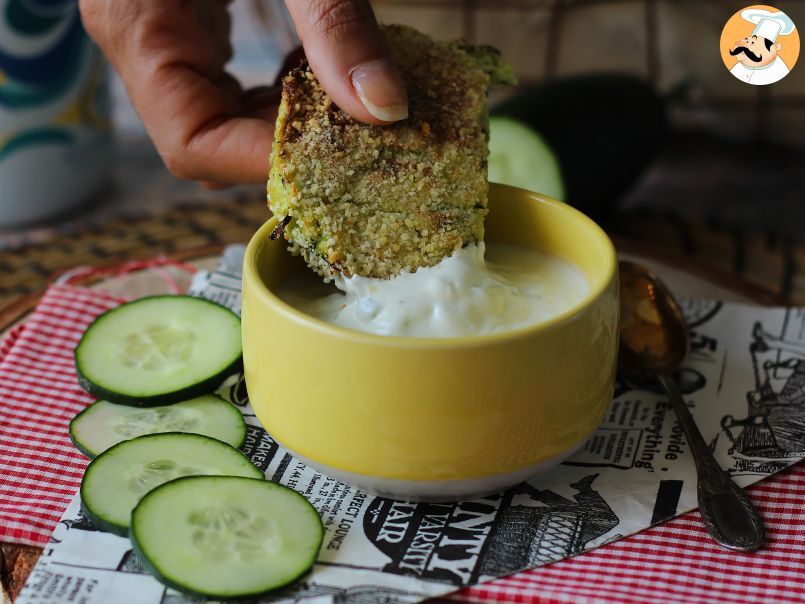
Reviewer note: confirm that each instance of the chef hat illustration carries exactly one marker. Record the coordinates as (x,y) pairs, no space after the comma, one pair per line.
(769,25)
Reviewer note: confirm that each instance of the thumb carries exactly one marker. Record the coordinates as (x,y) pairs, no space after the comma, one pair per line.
(345,48)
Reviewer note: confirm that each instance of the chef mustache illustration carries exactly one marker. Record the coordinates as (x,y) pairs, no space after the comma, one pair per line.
(755,50)
(740,48)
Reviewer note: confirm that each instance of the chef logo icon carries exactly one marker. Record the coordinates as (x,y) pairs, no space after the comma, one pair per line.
(760,45)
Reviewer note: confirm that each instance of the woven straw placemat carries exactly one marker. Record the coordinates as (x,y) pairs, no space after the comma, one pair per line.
(185,232)
(762,260)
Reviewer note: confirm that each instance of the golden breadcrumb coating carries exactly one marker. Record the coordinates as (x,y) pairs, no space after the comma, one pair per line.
(377,201)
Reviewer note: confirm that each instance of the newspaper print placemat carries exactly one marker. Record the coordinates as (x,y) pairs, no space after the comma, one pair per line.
(744,382)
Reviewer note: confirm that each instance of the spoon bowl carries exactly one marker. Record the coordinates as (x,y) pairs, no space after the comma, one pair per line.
(654,334)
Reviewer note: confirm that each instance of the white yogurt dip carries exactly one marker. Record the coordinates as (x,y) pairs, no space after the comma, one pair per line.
(465,294)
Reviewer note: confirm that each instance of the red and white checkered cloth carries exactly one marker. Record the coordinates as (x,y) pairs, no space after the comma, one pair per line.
(40,470)
(676,562)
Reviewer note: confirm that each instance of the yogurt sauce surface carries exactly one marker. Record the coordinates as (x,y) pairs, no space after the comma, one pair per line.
(477,290)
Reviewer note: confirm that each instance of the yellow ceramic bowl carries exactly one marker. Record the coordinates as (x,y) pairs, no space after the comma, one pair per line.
(421,418)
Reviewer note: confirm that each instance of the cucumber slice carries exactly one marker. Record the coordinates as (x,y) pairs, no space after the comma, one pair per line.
(225,537)
(104,424)
(159,350)
(116,480)
(519,157)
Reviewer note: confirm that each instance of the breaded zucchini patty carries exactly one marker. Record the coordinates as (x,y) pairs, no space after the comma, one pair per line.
(377,201)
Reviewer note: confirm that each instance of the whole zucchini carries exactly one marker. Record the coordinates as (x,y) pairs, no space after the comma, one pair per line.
(603,129)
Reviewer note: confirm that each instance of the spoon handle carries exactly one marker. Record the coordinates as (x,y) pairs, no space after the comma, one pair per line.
(727,512)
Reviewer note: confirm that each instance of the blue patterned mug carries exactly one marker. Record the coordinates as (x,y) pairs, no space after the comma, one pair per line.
(54,111)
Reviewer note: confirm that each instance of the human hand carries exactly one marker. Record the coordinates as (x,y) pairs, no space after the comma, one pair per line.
(171,56)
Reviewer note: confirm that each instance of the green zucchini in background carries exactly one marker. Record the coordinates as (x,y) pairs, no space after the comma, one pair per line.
(602,131)
(519,157)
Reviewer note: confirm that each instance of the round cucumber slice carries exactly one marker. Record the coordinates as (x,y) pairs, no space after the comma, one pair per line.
(225,537)
(104,424)
(116,480)
(519,157)
(159,350)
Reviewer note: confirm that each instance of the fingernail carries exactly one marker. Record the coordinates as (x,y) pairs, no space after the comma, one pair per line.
(379,87)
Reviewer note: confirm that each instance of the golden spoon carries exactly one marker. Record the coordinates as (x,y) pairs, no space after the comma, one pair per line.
(653,342)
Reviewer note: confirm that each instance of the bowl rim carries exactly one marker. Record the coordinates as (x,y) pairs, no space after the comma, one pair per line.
(260,239)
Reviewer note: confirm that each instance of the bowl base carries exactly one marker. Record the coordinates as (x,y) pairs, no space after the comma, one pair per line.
(438,491)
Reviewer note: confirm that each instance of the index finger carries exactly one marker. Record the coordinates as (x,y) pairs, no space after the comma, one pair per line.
(199,129)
